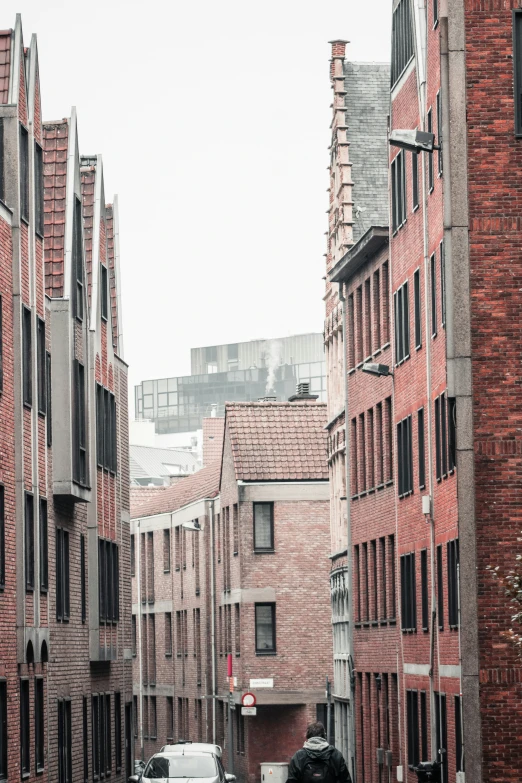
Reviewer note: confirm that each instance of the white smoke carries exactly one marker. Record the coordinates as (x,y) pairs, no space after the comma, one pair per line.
(273,360)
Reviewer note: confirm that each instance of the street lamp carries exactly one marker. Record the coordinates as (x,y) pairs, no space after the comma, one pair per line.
(372,368)
(413,140)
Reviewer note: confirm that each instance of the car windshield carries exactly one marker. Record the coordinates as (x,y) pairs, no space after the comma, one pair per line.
(181,767)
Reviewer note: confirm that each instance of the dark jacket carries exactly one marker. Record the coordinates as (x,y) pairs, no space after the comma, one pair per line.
(327,753)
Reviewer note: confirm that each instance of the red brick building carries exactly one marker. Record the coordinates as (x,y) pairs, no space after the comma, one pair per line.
(247,585)
(65,668)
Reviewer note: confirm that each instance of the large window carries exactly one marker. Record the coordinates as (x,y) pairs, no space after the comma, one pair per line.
(412,717)
(80,425)
(106,429)
(62,576)
(445,436)
(49,423)
(430,155)
(3,730)
(440,588)
(39,723)
(433,295)
(29,541)
(453,583)
(104,292)
(166,550)
(83,578)
(24,173)
(25,731)
(64,741)
(168,634)
(398,190)
(408,593)
(421,449)
(117,731)
(441,734)
(401,302)
(265,628)
(27,356)
(44,547)
(442,284)
(263,527)
(402,40)
(85,727)
(424,590)
(38,190)
(417,308)
(77,260)
(40,359)
(405,456)
(108,569)
(414,181)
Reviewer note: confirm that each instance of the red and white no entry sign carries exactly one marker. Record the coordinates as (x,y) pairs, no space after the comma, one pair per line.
(248,700)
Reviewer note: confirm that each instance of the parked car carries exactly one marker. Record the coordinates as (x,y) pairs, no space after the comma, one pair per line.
(203,747)
(183,763)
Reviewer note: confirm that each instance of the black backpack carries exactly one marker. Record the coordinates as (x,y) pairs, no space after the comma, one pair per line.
(317,771)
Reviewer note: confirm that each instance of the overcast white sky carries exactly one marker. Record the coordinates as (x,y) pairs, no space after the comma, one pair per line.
(213,122)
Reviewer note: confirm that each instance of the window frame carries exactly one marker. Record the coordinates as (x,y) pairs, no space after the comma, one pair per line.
(408,593)
(27,356)
(39,724)
(405,457)
(38,190)
(29,542)
(24,173)
(271,548)
(104,292)
(433,294)
(417,309)
(431,175)
(273,648)
(421,448)
(414,181)
(48,413)
(412,723)
(44,544)
(41,366)
(25,728)
(80,455)
(452,570)
(401,309)
(77,261)
(63,586)
(400,20)
(440,588)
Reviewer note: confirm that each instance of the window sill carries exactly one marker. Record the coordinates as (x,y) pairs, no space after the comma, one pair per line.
(415,208)
(418,347)
(168,655)
(351,370)
(166,570)
(264,654)
(28,405)
(26,221)
(235,554)
(263,551)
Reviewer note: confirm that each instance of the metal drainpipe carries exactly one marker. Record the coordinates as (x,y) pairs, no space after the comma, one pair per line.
(213,620)
(140,649)
(342,299)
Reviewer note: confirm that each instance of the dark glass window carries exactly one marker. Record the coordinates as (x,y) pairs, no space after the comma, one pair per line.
(398,190)
(39,723)
(25,734)
(431,181)
(433,292)
(3,728)
(134,636)
(439,130)
(440,588)
(421,449)
(62,575)
(441,732)
(117,731)
(424,590)
(166,550)
(107,736)
(168,634)
(38,190)
(77,260)
(402,40)
(408,593)
(435,12)
(106,429)
(459,746)
(445,436)
(85,740)
(443,284)
(2,539)
(27,343)
(263,527)
(44,547)
(265,628)
(402,323)
(41,363)
(424,726)
(83,579)
(153,718)
(29,541)
(108,570)
(412,718)
(452,433)
(170,718)
(49,424)
(414,181)
(405,456)
(96,750)
(80,428)
(133,555)
(24,173)
(104,292)
(417,308)
(453,583)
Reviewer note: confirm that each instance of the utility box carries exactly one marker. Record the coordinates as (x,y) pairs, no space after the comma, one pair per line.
(274,773)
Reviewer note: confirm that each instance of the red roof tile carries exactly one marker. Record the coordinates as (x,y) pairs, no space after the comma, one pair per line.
(203,484)
(5,64)
(55,144)
(278,441)
(112,274)
(213,432)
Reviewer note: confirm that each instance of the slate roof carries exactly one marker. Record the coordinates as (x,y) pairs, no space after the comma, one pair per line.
(278,441)
(55,146)
(367,102)
(5,64)
(148,461)
(203,484)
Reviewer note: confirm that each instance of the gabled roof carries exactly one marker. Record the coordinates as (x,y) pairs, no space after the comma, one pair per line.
(203,484)
(148,461)
(278,441)
(56,142)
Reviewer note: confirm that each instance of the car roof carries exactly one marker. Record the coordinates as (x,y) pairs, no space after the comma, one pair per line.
(169,753)
(201,747)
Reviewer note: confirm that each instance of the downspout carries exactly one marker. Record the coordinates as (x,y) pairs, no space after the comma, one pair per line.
(213,620)
(349,566)
(140,649)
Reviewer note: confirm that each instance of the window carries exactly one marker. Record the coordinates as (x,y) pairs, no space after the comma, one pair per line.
(398,190)
(414,181)
(402,323)
(25,739)
(104,292)
(421,449)
(435,12)
(433,292)
(152,649)
(107,735)
(38,190)
(408,593)
(106,429)
(2,180)
(77,260)
(235,528)
(44,547)
(80,428)
(135,714)
(424,726)
(96,749)
(445,436)
(439,131)
(452,433)
(424,590)
(459,747)
(430,155)
(453,583)
(83,595)
(133,555)
(85,713)
(62,575)
(263,527)
(24,173)
(3,723)
(1,342)
(166,551)
(391,549)
(170,719)
(443,284)
(168,634)
(440,589)
(49,423)
(29,541)
(40,358)
(405,456)
(412,718)
(153,719)
(2,542)
(237,629)
(402,40)
(117,731)
(108,573)
(383,575)
(134,636)
(417,308)
(27,341)
(150,566)
(265,628)
(39,723)
(441,732)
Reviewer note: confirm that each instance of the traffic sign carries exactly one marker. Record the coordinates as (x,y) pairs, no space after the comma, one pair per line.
(248,700)
(248,710)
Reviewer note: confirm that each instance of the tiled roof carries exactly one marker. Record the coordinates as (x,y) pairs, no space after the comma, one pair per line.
(278,441)
(88,179)
(5,64)
(112,274)
(213,431)
(203,484)
(55,144)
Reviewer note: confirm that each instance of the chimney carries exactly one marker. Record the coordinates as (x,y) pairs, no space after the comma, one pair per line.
(213,410)
(303,393)
(338,52)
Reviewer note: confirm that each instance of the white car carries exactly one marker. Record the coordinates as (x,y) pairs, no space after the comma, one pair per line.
(183,763)
(203,747)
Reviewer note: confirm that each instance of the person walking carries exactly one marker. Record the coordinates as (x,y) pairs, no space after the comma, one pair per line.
(318,761)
